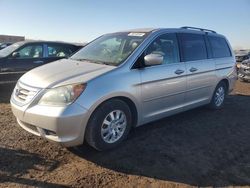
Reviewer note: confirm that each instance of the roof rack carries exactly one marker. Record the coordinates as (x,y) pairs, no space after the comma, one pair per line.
(196,28)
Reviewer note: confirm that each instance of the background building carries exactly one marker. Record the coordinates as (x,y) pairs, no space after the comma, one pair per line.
(10,38)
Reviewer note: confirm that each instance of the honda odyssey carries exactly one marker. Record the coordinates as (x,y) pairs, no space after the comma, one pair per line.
(123,80)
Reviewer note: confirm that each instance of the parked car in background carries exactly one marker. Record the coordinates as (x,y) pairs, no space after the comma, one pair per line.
(124,80)
(240,56)
(244,70)
(4,45)
(21,57)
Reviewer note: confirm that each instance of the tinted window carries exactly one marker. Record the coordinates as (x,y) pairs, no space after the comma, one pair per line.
(219,47)
(193,47)
(166,45)
(59,50)
(31,51)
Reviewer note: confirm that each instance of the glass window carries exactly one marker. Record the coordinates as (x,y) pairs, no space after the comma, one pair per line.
(219,47)
(31,51)
(59,50)
(111,49)
(10,49)
(167,46)
(193,47)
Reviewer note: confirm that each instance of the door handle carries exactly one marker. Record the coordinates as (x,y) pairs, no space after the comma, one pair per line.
(38,62)
(193,69)
(178,71)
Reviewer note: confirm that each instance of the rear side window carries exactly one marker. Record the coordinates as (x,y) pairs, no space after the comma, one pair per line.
(193,47)
(59,50)
(219,47)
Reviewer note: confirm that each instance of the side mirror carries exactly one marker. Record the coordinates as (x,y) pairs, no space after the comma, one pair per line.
(15,54)
(153,59)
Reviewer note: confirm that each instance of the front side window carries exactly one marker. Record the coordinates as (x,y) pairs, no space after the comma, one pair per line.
(111,49)
(10,49)
(219,47)
(31,51)
(193,47)
(167,46)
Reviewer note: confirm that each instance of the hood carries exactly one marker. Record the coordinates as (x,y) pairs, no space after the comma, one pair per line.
(63,72)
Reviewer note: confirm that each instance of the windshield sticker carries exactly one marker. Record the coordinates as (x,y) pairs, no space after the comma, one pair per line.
(136,34)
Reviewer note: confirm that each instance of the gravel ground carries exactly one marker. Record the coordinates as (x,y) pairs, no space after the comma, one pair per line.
(195,148)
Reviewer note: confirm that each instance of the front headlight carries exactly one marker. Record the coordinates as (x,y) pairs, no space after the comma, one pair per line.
(63,95)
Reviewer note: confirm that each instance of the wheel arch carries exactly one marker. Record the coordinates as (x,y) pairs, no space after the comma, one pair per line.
(226,82)
(131,104)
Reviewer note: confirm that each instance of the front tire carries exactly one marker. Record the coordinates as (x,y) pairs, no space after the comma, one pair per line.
(219,96)
(109,125)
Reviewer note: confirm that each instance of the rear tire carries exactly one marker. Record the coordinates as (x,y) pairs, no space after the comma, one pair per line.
(109,125)
(219,96)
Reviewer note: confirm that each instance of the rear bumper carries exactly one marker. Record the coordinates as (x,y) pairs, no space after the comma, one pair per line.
(64,125)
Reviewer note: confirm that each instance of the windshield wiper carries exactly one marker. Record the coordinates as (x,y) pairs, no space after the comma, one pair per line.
(97,62)
(80,59)
(88,60)
(105,62)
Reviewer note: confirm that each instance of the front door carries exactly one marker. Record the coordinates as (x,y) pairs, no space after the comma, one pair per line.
(163,86)
(25,59)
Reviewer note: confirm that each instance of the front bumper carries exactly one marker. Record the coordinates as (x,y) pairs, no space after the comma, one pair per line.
(64,125)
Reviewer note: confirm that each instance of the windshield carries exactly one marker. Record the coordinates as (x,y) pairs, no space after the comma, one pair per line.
(8,50)
(111,49)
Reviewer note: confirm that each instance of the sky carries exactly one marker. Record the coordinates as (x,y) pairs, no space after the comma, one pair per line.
(84,20)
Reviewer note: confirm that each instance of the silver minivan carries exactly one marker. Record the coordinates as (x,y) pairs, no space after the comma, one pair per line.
(123,80)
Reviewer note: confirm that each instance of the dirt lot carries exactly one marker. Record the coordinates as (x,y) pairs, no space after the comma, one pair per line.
(195,148)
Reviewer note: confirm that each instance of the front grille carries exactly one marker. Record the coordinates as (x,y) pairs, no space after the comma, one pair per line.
(23,94)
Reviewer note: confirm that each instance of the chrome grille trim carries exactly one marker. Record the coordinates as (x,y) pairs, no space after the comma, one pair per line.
(23,94)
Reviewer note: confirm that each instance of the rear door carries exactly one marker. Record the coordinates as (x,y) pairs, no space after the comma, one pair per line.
(224,62)
(163,86)
(29,57)
(200,68)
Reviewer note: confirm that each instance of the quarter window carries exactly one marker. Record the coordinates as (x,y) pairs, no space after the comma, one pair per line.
(219,47)
(193,47)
